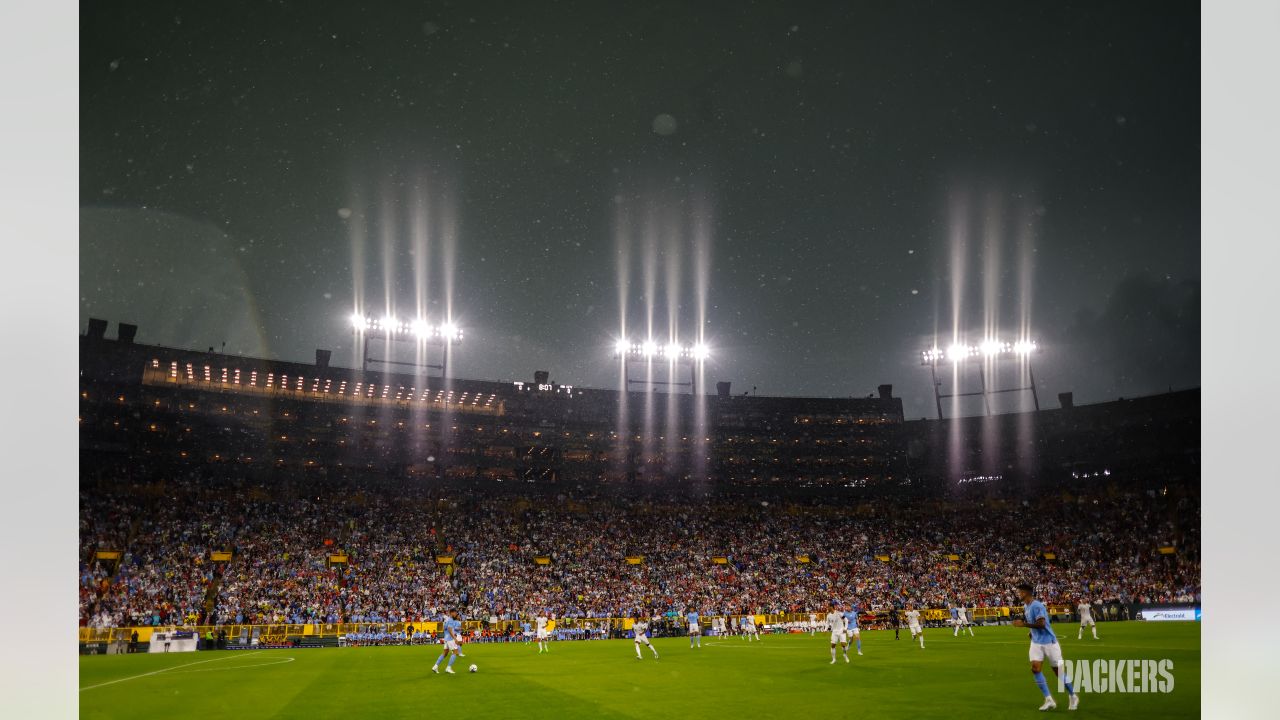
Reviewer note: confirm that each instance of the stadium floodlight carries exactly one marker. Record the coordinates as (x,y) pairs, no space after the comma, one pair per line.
(650,349)
(989,350)
(419,330)
(993,347)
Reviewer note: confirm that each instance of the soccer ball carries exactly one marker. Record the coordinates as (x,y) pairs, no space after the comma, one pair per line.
(473,668)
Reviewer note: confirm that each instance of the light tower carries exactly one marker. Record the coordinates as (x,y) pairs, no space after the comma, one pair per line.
(651,352)
(418,331)
(990,350)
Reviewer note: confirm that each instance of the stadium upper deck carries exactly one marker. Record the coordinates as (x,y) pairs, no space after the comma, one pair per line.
(187,406)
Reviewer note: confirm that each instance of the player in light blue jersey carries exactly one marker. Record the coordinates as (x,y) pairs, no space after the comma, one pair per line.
(1044,646)
(452,638)
(695,630)
(851,625)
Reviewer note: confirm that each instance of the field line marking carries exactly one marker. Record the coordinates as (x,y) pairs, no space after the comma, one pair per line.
(220,668)
(157,672)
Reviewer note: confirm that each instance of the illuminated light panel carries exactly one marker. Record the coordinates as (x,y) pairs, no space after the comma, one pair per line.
(649,349)
(990,348)
(396,328)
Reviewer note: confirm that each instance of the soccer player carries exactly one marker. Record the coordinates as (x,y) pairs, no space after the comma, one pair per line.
(526,631)
(851,626)
(1044,646)
(813,623)
(695,630)
(894,620)
(641,629)
(835,621)
(544,641)
(749,627)
(913,624)
(452,630)
(1086,618)
(960,618)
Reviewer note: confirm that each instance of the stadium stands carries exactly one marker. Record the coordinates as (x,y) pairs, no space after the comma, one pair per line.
(181,464)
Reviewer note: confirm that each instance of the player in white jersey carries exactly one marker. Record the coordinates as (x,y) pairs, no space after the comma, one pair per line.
(835,621)
(1086,618)
(641,629)
(544,637)
(960,619)
(813,623)
(913,624)
(749,630)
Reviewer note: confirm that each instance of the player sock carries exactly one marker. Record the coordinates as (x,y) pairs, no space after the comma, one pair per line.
(833,654)
(1042,684)
(451,659)
(1095,633)
(1067,683)
(971,631)
(438,660)
(859,644)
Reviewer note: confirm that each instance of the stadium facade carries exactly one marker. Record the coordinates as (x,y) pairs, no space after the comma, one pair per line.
(184,406)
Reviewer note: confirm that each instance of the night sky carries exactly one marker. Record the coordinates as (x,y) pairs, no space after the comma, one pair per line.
(250,175)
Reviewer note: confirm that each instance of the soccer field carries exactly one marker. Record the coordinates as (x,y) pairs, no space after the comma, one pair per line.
(986,676)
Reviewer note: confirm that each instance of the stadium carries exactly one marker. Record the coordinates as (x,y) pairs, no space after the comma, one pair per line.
(309,526)
(632,360)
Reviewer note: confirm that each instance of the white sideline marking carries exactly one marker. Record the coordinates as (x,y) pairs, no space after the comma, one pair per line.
(157,672)
(220,668)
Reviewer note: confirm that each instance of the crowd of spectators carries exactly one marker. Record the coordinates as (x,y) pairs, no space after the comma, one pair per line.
(877,552)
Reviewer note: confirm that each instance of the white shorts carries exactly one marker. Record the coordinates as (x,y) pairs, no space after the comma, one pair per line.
(1046,652)
(695,629)
(641,638)
(915,629)
(543,634)
(839,638)
(855,632)
(1087,620)
(451,645)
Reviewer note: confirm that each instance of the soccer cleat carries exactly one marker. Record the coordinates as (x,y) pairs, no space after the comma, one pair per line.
(1049,704)
(1074,702)
(846,658)
(859,653)
(833,661)
(435,669)
(450,671)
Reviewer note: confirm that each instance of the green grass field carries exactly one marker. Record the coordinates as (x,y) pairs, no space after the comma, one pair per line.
(986,677)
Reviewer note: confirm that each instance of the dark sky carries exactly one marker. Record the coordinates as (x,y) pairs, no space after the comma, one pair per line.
(849,174)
